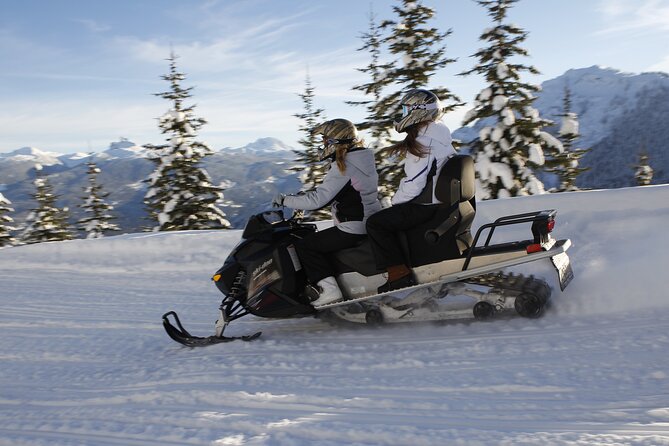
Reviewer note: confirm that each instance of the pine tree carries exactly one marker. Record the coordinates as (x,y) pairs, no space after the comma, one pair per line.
(511,146)
(180,195)
(565,164)
(98,220)
(6,238)
(46,223)
(421,54)
(375,121)
(311,169)
(643,172)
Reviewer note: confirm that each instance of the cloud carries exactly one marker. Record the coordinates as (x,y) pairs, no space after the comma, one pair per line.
(640,17)
(73,123)
(662,65)
(93,25)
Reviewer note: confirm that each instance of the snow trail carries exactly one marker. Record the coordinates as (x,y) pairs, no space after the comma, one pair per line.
(85,360)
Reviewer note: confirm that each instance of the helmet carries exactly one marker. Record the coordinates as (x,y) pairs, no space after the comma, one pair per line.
(335,132)
(419,105)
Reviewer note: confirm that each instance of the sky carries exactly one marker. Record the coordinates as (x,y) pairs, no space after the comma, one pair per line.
(76,75)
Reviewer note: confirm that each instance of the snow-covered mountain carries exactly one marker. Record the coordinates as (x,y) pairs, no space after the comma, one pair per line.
(85,360)
(619,115)
(262,147)
(251,175)
(32,155)
(122,149)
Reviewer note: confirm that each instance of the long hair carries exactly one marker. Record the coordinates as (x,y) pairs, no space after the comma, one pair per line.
(342,150)
(410,143)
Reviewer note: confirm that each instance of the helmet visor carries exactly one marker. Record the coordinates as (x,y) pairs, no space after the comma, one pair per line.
(408,108)
(331,141)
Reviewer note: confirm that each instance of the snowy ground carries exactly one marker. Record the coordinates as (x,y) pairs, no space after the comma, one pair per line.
(85,361)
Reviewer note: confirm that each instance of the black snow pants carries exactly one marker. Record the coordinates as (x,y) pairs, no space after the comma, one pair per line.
(313,251)
(383,228)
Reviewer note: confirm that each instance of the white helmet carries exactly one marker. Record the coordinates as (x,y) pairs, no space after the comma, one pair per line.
(336,132)
(419,105)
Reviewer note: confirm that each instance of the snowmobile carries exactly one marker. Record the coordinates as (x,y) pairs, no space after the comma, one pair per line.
(458,276)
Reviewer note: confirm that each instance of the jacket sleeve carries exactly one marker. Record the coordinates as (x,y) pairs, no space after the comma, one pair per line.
(415,170)
(320,197)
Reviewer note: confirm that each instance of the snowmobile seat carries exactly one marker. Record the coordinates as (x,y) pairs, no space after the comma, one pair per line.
(447,235)
(358,258)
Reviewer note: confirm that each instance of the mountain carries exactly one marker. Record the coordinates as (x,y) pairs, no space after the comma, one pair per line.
(251,175)
(619,114)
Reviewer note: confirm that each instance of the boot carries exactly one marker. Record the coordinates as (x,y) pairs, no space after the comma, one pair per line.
(329,292)
(399,276)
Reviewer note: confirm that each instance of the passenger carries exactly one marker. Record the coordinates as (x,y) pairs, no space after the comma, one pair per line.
(350,185)
(425,149)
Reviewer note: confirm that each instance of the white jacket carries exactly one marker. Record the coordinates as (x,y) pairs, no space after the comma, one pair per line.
(423,172)
(352,194)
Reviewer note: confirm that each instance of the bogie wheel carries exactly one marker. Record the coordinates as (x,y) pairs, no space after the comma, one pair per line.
(483,311)
(529,305)
(374,317)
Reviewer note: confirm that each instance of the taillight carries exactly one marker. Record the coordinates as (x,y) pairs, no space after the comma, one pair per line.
(550,225)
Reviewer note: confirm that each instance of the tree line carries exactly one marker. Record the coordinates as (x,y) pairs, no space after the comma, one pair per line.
(405,52)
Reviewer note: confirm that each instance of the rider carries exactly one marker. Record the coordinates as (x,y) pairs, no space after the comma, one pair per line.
(350,186)
(425,149)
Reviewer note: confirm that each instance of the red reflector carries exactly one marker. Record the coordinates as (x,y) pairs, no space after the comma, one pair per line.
(550,225)
(533,248)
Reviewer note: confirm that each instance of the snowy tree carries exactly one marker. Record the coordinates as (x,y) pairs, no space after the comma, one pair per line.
(311,170)
(98,219)
(565,164)
(46,223)
(643,173)
(420,54)
(510,147)
(180,193)
(376,122)
(6,229)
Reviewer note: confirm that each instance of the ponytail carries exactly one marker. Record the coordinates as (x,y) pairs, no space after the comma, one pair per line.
(410,143)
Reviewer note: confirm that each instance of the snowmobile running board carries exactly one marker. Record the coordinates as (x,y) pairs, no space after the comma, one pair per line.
(558,248)
(182,336)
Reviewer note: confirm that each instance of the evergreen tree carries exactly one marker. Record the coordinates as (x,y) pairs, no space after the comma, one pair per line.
(6,238)
(565,164)
(98,220)
(46,223)
(421,54)
(311,169)
(376,122)
(511,145)
(180,195)
(643,172)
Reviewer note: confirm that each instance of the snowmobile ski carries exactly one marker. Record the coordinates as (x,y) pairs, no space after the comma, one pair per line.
(182,336)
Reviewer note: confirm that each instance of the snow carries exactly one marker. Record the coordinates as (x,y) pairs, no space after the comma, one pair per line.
(499,102)
(569,125)
(85,360)
(31,154)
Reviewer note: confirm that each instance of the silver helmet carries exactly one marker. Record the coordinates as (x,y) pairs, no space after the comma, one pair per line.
(336,133)
(419,105)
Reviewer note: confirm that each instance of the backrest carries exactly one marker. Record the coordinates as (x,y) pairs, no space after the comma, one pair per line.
(456,182)
(460,180)
(455,188)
